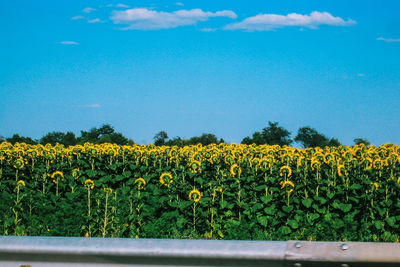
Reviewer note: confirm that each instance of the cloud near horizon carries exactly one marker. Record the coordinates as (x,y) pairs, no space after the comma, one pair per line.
(146,19)
(388,40)
(266,22)
(68,43)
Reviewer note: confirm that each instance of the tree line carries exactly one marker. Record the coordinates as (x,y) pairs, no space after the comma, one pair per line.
(272,134)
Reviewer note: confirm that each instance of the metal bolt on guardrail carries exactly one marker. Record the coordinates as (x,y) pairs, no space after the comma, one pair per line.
(91,252)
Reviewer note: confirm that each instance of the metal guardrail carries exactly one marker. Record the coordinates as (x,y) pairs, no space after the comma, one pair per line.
(76,251)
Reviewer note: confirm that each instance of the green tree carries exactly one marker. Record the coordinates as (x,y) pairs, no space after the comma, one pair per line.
(309,137)
(364,141)
(16,138)
(105,134)
(69,139)
(52,138)
(270,135)
(204,139)
(160,138)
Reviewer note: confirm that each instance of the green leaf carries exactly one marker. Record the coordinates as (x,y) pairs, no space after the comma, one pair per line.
(330,195)
(293,224)
(270,210)
(285,230)
(260,187)
(379,225)
(266,199)
(127,174)
(307,202)
(391,221)
(287,209)
(91,173)
(263,220)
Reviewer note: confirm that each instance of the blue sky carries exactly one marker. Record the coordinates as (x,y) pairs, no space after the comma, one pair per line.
(193,67)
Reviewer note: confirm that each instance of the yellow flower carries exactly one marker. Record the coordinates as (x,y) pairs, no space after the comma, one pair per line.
(196,195)
(378,164)
(108,190)
(315,164)
(288,182)
(195,166)
(367,163)
(141,183)
(238,170)
(89,184)
(168,175)
(20,182)
(340,168)
(398,181)
(19,163)
(55,174)
(285,169)
(75,173)
(376,185)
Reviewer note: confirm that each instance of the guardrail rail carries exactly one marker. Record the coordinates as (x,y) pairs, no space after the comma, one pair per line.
(77,251)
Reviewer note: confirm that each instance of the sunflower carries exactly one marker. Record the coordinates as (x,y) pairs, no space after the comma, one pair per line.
(168,175)
(19,163)
(20,182)
(285,170)
(195,166)
(378,164)
(141,183)
(107,190)
(55,174)
(89,184)
(341,168)
(376,185)
(288,182)
(196,195)
(398,181)
(367,163)
(75,173)
(238,170)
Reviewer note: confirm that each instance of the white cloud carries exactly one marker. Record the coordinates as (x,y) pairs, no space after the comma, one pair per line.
(78,17)
(146,19)
(265,22)
(361,74)
(87,10)
(94,20)
(388,40)
(68,43)
(179,4)
(122,6)
(208,29)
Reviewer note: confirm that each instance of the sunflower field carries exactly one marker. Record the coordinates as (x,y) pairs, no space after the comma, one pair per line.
(215,192)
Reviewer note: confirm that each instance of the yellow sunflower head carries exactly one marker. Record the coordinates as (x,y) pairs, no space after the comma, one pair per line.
(196,195)
(341,169)
(75,173)
(56,175)
(288,186)
(89,184)
(108,190)
(19,163)
(21,184)
(285,170)
(166,178)
(235,170)
(141,183)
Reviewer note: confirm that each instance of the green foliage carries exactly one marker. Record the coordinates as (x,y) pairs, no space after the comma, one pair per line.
(214,191)
(310,137)
(16,138)
(359,141)
(271,135)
